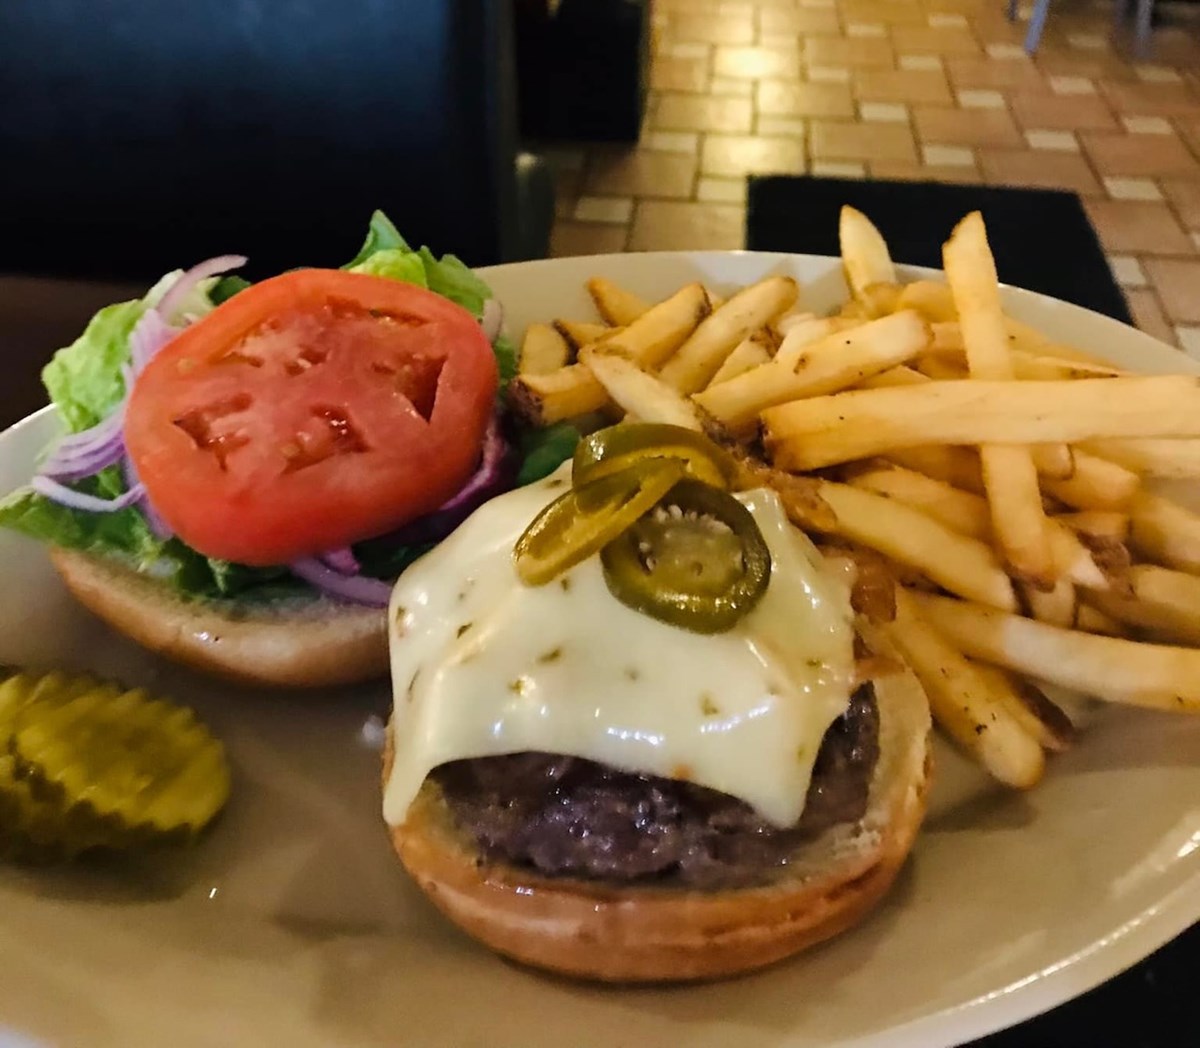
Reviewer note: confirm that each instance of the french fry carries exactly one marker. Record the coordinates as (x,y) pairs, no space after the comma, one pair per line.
(654,336)
(692,367)
(900,375)
(1094,484)
(1092,620)
(865,257)
(781,325)
(959,564)
(968,514)
(750,354)
(1108,668)
(542,400)
(805,333)
(1164,531)
(1030,367)
(1042,719)
(1166,603)
(1055,606)
(878,300)
(1055,461)
(966,703)
(1010,478)
(958,467)
(1163,457)
(834,362)
(961,511)
(572,391)
(580,333)
(641,395)
(942,368)
(1023,337)
(542,350)
(1100,523)
(617,306)
(932,300)
(825,430)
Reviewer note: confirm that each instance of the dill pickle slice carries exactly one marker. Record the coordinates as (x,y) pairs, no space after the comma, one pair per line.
(143,767)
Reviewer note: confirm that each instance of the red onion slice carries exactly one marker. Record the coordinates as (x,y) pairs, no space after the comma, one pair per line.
(149,335)
(358,589)
(178,291)
(342,561)
(85,460)
(65,496)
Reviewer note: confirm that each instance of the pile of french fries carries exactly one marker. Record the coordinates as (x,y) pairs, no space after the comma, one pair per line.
(997,490)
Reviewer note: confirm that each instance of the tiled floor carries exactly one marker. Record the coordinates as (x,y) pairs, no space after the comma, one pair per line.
(903,89)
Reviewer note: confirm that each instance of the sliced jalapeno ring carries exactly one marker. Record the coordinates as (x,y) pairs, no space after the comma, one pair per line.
(581,522)
(617,447)
(697,560)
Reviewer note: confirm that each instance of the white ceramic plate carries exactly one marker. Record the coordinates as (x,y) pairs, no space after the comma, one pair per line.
(292,925)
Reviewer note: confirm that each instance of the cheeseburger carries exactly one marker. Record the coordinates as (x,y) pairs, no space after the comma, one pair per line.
(629,742)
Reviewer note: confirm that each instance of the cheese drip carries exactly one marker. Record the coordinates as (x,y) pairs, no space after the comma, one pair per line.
(483,665)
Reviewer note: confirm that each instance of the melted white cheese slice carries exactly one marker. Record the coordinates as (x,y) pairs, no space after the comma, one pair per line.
(483,665)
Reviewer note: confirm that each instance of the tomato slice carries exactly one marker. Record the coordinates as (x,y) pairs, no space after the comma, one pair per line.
(311,411)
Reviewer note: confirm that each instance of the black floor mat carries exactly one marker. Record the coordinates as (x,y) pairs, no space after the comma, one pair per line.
(1042,239)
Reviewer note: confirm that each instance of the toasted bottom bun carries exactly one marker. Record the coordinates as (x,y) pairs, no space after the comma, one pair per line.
(295,643)
(621,933)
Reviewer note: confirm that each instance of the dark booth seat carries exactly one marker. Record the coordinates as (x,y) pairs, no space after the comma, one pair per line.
(138,135)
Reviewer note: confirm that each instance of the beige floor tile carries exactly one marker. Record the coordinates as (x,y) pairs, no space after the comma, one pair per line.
(1040,170)
(980,98)
(988,73)
(920,63)
(672,226)
(787,98)
(731,88)
(883,112)
(866,30)
(1058,141)
(937,41)
(966,127)
(1147,125)
(686,112)
(1148,315)
(734,156)
(773,20)
(1133,227)
(576,238)
(1072,85)
(1177,282)
(685,142)
(1127,271)
(838,169)
(902,85)
(819,74)
(1139,155)
(610,210)
(947,156)
(641,173)
(836,51)
(721,190)
(1190,129)
(723,29)
(832,140)
(1069,112)
(1132,188)
(1184,195)
(967,174)
(758,63)
(679,74)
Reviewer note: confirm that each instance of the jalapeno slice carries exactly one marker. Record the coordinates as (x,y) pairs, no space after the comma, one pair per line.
(618,447)
(585,519)
(697,560)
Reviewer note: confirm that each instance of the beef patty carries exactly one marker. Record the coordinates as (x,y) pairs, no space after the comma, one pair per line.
(565,816)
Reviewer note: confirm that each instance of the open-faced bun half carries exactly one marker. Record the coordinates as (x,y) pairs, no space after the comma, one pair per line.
(646,934)
(300,643)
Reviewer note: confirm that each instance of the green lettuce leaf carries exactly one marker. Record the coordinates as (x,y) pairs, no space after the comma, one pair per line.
(381,236)
(452,279)
(542,451)
(84,380)
(395,263)
(226,287)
